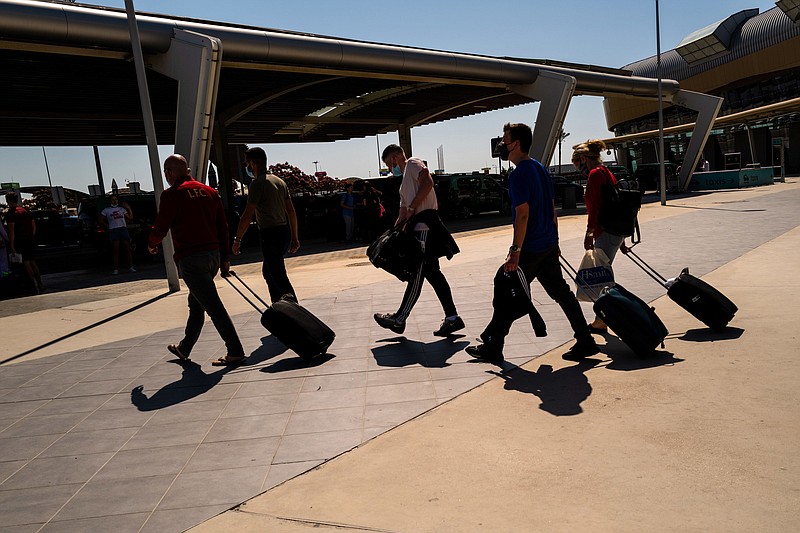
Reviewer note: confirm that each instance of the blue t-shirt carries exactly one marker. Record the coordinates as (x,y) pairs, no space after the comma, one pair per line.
(530,183)
(348,200)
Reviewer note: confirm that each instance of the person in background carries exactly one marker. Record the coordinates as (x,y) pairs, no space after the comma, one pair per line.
(269,201)
(586,157)
(372,212)
(22,239)
(347,203)
(194,214)
(114,218)
(418,203)
(534,247)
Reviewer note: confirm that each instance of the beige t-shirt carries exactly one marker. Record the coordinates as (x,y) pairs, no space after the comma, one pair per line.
(269,194)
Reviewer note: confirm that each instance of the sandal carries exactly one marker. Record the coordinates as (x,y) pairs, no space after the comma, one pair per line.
(228,361)
(175,350)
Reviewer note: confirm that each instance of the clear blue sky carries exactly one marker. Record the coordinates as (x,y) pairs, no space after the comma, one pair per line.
(580,31)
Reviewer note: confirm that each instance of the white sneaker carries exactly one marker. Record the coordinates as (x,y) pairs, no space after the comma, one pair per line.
(131,269)
(115,272)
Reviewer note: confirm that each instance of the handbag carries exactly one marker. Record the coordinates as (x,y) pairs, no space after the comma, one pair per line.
(397,252)
(594,274)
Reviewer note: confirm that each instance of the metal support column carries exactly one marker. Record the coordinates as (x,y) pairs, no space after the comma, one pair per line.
(194,60)
(404,137)
(554,92)
(707,107)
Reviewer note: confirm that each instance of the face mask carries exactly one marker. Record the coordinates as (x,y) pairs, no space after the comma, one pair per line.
(502,151)
(249,172)
(396,171)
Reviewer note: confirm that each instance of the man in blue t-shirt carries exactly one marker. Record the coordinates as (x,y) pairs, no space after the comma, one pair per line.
(534,249)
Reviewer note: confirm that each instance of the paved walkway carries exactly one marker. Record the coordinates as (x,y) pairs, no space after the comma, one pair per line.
(103,430)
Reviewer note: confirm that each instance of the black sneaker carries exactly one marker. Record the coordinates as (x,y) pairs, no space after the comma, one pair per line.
(485,352)
(581,350)
(389,321)
(449,326)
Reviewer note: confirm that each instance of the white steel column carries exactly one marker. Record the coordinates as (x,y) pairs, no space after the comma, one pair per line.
(554,92)
(707,107)
(194,60)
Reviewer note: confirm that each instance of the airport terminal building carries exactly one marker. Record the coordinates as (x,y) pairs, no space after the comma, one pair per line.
(750,59)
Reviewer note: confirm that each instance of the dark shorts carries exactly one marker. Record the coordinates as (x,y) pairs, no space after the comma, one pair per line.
(119,234)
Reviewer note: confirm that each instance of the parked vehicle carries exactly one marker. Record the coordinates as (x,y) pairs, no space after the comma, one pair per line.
(465,195)
(49,228)
(648,176)
(560,184)
(620,172)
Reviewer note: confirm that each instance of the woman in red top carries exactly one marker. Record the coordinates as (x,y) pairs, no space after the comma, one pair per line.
(586,157)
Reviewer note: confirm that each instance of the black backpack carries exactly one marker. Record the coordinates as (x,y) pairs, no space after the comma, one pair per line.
(621,204)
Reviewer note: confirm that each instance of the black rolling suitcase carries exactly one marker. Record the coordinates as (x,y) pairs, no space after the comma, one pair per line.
(630,317)
(703,301)
(293,325)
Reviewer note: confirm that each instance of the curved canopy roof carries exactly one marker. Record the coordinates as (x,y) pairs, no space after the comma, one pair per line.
(69,80)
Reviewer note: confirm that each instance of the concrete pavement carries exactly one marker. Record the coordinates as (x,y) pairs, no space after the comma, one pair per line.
(101,429)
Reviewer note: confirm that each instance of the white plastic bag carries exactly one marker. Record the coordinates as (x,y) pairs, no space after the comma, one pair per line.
(594,273)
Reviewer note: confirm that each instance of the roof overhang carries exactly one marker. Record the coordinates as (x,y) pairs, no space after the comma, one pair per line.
(71,80)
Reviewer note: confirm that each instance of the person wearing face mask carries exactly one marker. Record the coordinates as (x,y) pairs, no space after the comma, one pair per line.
(114,218)
(268,199)
(586,158)
(418,203)
(534,247)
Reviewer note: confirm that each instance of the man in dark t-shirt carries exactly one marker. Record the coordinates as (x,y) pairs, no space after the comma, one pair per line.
(269,200)
(22,238)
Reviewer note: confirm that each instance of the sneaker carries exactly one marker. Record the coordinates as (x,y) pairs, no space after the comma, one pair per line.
(131,269)
(486,352)
(449,326)
(114,272)
(389,321)
(581,350)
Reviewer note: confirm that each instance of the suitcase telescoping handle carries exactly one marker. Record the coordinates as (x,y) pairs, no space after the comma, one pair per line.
(243,295)
(650,271)
(573,275)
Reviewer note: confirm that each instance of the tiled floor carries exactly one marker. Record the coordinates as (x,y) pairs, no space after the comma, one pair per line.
(121,437)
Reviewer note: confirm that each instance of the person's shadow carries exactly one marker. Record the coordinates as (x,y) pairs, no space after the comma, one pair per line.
(561,392)
(193,382)
(403,352)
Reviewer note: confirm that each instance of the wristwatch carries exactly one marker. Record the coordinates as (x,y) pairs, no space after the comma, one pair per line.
(513,248)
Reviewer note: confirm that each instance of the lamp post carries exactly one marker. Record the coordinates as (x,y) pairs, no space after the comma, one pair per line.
(316,169)
(662,177)
(562,135)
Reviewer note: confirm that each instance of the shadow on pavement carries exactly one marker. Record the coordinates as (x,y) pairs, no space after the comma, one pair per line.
(86,328)
(193,383)
(561,392)
(709,335)
(403,352)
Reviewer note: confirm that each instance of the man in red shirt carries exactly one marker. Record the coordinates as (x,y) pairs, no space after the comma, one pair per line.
(194,213)
(22,238)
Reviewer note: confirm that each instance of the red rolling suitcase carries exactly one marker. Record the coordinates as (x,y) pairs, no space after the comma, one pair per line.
(703,301)
(294,325)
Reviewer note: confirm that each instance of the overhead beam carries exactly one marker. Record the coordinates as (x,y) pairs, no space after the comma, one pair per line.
(554,92)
